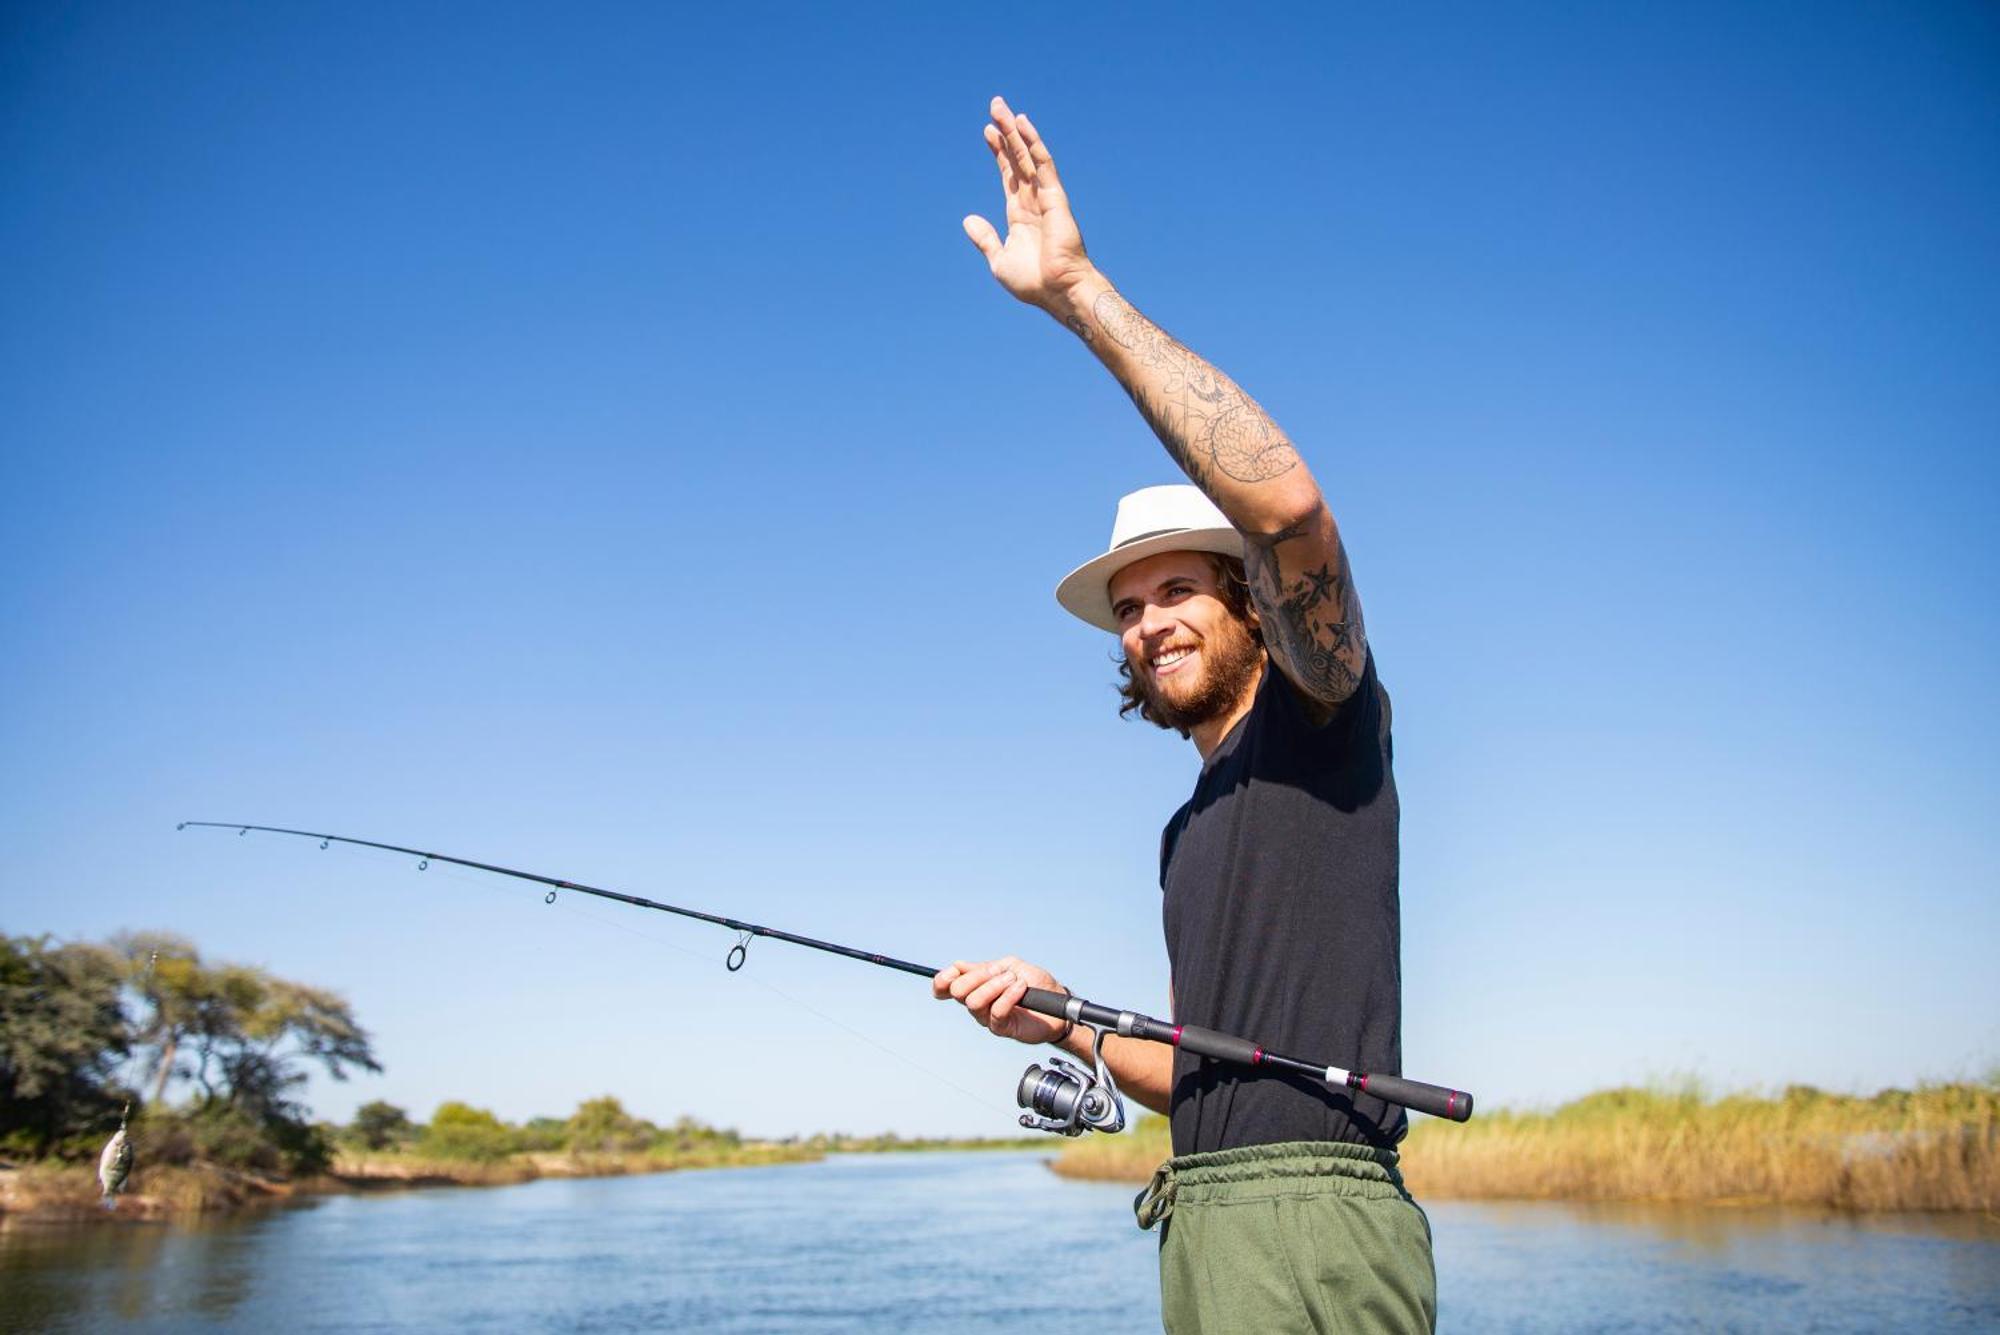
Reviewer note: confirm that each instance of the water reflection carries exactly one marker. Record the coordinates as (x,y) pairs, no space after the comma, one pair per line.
(969,1242)
(1551,1266)
(51,1274)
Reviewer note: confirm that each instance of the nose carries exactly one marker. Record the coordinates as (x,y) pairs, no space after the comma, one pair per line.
(1154,622)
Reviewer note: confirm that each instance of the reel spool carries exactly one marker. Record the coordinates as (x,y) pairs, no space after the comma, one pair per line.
(1067,1100)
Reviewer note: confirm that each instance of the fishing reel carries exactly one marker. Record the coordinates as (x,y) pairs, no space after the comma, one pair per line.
(1068,1100)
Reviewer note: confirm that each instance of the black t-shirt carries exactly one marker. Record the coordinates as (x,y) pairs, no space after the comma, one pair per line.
(1283,924)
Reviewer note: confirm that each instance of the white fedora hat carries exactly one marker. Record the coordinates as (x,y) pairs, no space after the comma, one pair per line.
(1151,520)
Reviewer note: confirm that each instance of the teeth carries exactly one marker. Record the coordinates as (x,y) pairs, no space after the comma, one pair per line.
(1171,656)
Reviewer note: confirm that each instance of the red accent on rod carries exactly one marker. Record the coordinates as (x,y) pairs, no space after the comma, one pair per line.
(1257,1057)
(1360,1082)
(1451,1105)
(1177,1035)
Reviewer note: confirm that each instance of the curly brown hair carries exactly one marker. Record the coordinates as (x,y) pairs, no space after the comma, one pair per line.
(1234,590)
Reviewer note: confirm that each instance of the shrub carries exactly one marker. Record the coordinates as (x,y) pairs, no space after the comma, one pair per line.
(460,1131)
(379,1125)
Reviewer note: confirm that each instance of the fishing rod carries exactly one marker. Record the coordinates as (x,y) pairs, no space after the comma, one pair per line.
(1063,1097)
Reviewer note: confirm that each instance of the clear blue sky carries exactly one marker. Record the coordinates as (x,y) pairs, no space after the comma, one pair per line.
(581,438)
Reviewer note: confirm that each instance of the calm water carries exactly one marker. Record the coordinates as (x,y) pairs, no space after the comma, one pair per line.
(947,1242)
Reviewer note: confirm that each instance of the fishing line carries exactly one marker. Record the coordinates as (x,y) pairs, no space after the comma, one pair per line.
(486,885)
(114,1162)
(1064,1097)
(985,1105)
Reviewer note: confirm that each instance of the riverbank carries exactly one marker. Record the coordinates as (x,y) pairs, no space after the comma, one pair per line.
(54,1192)
(51,1191)
(1933,1148)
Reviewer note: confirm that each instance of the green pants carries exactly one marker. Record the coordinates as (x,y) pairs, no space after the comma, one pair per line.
(1305,1236)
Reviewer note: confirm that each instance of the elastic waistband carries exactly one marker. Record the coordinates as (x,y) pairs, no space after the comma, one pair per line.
(1322,1167)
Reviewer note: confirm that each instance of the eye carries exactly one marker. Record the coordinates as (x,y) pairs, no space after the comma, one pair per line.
(1124,612)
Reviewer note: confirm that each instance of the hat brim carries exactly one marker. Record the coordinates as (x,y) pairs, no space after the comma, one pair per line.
(1085,592)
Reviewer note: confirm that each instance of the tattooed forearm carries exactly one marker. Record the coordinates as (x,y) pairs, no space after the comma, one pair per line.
(1228,446)
(1203,418)
(1312,626)
(1161,416)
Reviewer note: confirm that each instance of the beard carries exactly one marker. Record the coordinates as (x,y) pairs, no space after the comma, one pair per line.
(1230,662)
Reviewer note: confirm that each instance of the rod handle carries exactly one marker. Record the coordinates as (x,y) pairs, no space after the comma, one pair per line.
(1044,1002)
(1057,1005)
(1214,1043)
(1436,1100)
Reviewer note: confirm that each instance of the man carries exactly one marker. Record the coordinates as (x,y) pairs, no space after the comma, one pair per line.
(1282,1208)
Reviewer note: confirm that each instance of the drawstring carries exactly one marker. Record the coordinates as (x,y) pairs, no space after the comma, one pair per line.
(1156,1202)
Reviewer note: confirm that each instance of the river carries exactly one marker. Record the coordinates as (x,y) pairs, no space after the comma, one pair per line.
(939,1242)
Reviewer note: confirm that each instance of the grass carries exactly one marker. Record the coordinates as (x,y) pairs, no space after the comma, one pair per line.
(1936,1147)
(1129,1157)
(413,1168)
(51,1190)
(157,1190)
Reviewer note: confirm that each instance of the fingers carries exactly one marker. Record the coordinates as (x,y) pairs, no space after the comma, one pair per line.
(1009,997)
(1015,148)
(1038,155)
(980,1000)
(987,239)
(980,987)
(1010,184)
(971,977)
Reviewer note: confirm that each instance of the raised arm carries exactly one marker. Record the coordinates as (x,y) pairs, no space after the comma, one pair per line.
(1225,443)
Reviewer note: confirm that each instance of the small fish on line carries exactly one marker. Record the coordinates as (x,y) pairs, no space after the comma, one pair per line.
(114,1166)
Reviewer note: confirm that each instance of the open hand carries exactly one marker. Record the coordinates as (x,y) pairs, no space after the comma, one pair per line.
(1042,259)
(992,992)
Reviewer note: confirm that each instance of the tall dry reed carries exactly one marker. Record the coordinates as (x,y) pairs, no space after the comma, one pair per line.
(1933,1148)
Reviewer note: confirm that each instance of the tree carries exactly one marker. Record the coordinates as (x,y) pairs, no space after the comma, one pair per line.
(283,1024)
(238,1033)
(63,1034)
(379,1125)
(244,1039)
(460,1131)
(603,1126)
(542,1135)
(165,970)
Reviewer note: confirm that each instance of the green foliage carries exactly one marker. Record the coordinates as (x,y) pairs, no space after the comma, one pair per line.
(379,1125)
(602,1126)
(688,1133)
(542,1135)
(460,1131)
(239,1034)
(236,1139)
(63,1033)
(219,1134)
(239,1037)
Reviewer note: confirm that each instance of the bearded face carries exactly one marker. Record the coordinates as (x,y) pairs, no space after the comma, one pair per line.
(1190,655)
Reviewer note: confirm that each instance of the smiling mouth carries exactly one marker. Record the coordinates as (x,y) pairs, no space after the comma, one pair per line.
(1168,660)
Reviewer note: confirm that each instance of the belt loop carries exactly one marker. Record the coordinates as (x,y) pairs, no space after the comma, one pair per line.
(1156,1202)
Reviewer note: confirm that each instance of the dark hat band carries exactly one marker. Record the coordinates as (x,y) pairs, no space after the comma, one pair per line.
(1158,532)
